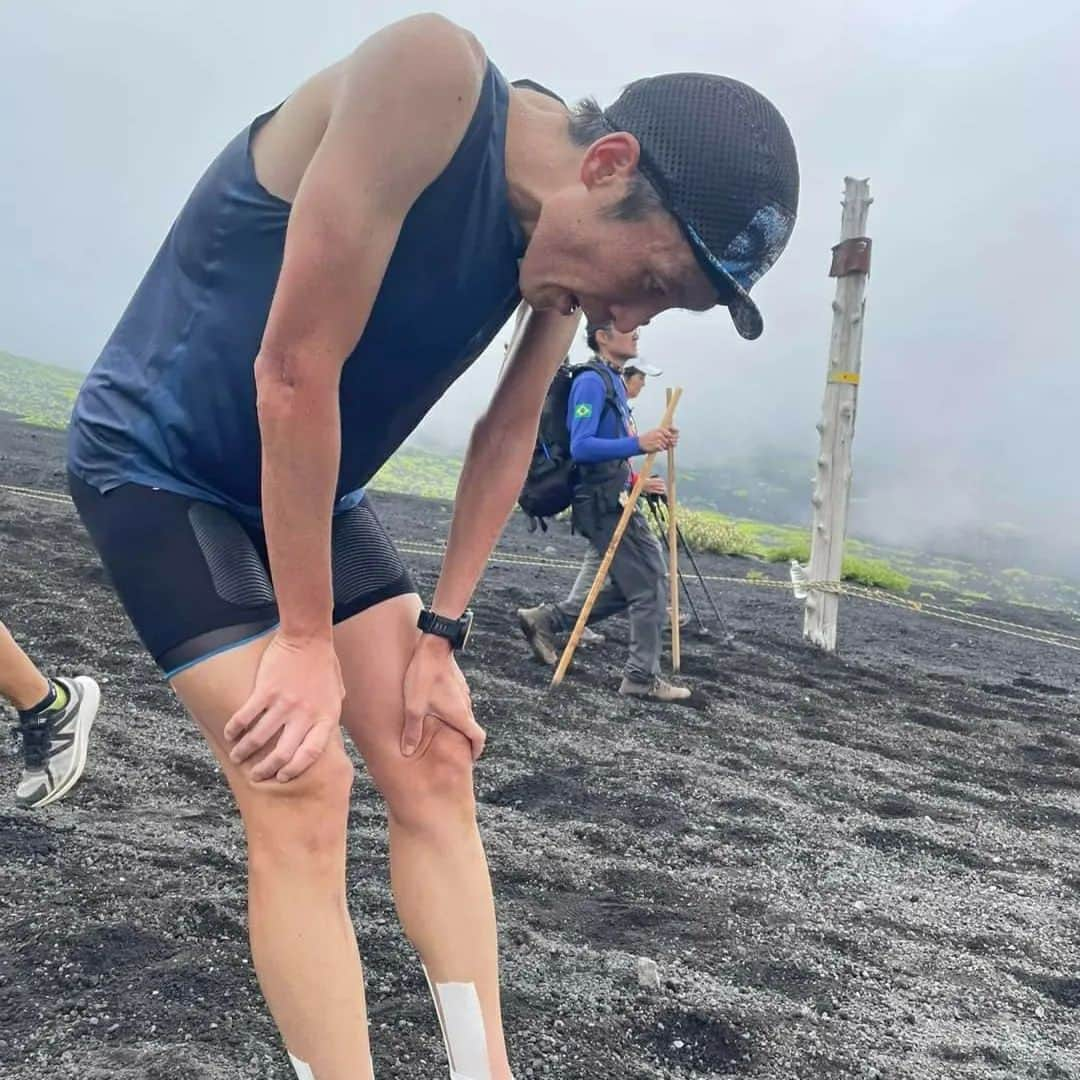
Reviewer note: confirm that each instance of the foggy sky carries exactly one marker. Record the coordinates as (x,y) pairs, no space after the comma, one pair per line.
(961,113)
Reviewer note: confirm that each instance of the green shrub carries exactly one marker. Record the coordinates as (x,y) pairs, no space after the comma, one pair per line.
(37,393)
(786,552)
(708,531)
(874,573)
(419,472)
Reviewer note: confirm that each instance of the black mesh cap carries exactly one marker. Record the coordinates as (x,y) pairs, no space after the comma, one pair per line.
(723,161)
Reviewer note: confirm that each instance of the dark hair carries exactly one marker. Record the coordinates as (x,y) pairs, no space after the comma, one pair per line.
(592,331)
(587,124)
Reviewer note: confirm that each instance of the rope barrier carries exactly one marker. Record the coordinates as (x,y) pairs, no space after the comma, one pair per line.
(1058,638)
(36,493)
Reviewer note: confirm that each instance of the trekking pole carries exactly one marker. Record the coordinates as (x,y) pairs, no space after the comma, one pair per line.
(521,319)
(673,558)
(703,630)
(609,555)
(705,588)
(723,623)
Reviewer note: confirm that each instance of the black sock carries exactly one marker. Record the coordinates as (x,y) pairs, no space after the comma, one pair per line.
(56,698)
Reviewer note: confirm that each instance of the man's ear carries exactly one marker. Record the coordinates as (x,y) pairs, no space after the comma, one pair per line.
(610,160)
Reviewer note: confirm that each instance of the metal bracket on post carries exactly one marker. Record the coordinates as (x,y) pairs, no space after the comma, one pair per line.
(851,256)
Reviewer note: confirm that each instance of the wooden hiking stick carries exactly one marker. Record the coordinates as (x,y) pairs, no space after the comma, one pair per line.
(673,557)
(605,562)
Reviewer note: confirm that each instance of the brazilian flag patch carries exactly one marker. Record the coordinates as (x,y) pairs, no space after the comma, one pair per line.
(583,411)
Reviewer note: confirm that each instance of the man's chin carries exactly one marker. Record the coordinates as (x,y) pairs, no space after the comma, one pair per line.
(538,294)
(538,299)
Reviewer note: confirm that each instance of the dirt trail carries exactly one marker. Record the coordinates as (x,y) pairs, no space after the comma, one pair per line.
(853,867)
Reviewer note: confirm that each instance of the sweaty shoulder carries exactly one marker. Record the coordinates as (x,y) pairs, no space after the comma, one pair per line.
(414,85)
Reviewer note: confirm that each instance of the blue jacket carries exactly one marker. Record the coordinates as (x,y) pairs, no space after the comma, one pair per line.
(599,434)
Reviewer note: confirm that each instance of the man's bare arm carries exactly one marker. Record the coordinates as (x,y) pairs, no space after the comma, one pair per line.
(402,103)
(499,454)
(495,465)
(405,98)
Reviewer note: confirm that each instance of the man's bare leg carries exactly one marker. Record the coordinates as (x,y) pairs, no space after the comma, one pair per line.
(20,681)
(302,938)
(438,869)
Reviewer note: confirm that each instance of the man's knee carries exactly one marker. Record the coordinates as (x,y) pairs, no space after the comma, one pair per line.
(434,787)
(303,817)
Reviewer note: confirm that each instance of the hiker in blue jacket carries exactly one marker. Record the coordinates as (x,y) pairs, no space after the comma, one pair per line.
(634,374)
(602,440)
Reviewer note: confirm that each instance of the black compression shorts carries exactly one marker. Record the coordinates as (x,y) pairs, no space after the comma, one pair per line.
(195,580)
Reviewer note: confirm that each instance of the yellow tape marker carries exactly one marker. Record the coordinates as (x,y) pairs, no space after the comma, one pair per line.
(849,377)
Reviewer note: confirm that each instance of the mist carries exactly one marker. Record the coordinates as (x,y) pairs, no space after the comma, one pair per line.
(961,114)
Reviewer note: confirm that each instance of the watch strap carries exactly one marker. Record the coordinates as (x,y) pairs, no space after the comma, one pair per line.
(456,631)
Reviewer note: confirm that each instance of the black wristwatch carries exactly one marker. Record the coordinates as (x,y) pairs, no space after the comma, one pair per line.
(456,631)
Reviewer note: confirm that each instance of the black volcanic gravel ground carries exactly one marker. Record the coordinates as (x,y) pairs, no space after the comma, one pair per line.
(864,866)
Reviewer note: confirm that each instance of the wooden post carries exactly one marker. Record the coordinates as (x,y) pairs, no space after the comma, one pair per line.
(673,558)
(832,486)
(605,562)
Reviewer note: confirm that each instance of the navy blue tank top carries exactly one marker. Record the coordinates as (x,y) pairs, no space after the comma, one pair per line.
(170,402)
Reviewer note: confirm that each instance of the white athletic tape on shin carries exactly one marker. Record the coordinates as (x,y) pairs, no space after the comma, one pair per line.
(302,1069)
(462,1024)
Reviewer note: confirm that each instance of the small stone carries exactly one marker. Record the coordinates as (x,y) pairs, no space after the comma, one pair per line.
(648,974)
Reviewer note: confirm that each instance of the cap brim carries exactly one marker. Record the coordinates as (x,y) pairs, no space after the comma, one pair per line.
(746,317)
(643,369)
(744,312)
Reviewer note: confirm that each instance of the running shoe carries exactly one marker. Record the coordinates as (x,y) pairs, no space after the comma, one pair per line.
(54,745)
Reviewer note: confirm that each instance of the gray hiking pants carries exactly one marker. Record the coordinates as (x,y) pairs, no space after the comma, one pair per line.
(583,582)
(637,583)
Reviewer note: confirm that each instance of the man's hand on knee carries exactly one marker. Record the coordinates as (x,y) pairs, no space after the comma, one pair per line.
(434,686)
(297,699)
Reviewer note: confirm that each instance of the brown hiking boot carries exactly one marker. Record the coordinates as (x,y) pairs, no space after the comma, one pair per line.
(536,625)
(657,690)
